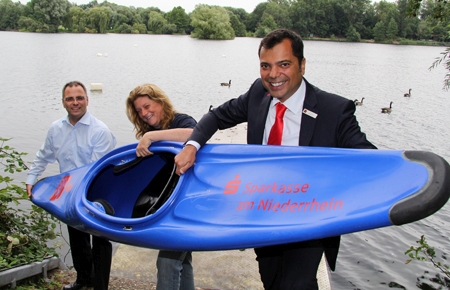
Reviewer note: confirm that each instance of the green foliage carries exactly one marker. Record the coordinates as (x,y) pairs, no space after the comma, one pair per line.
(436,13)
(379,32)
(279,13)
(23,232)
(392,29)
(179,17)
(318,18)
(157,24)
(124,28)
(352,35)
(99,18)
(9,15)
(139,28)
(267,25)
(211,22)
(237,25)
(49,12)
(426,253)
(27,24)
(445,57)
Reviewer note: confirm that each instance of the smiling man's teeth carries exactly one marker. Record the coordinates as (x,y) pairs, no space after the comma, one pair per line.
(277,84)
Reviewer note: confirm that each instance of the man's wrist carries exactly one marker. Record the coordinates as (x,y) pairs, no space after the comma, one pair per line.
(192,143)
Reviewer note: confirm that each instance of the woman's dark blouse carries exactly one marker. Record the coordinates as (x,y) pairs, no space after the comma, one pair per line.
(182,121)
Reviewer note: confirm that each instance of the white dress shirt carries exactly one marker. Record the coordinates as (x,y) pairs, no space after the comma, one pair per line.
(292,117)
(72,146)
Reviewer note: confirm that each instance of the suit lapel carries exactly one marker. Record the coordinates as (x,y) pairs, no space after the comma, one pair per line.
(308,122)
(258,108)
(263,110)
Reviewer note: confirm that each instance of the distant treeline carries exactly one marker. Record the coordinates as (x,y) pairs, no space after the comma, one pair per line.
(353,20)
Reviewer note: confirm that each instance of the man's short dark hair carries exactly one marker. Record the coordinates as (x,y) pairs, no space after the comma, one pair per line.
(74,84)
(277,36)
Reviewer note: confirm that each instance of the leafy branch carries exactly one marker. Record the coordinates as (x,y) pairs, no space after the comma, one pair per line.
(424,252)
(446,59)
(23,232)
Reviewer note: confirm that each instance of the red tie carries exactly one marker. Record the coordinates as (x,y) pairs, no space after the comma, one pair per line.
(277,129)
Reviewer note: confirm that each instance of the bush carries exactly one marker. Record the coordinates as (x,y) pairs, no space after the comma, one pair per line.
(353,35)
(24,233)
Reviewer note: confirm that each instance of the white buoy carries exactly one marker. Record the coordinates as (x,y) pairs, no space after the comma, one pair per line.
(96,86)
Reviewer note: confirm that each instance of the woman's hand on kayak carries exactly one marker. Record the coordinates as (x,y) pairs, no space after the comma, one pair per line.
(143,145)
(185,159)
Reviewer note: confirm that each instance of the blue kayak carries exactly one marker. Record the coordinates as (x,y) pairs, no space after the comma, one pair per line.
(244,196)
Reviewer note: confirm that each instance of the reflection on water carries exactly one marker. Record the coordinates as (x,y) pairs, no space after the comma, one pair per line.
(36,66)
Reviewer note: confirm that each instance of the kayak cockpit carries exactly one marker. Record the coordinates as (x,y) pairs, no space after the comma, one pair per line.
(135,189)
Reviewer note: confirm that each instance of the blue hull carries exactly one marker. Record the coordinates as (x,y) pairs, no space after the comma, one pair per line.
(245,196)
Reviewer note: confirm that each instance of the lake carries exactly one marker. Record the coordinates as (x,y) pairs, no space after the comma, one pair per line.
(35,67)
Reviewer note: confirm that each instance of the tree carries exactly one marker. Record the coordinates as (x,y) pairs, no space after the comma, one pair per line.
(124,15)
(255,17)
(240,13)
(50,13)
(179,17)
(139,28)
(279,13)
(9,14)
(76,20)
(91,4)
(423,30)
(441,12)
(237,25)
(392,29)
(99,18)
(311,17)
(157,23)
(440,33)
(265,26)
(28,24)
(354,10)
(211,22)
(379,32)
(353,35)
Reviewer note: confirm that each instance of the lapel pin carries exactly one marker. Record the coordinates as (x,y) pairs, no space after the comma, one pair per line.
(309,113)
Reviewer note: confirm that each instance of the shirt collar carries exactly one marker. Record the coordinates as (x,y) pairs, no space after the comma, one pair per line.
(85,120)
(295,102)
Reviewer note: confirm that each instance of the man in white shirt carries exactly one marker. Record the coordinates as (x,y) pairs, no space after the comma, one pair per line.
(74,141)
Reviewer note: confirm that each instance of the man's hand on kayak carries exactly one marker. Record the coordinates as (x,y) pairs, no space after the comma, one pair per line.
(185,159)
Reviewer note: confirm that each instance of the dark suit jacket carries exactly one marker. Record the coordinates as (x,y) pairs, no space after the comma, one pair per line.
(334,126)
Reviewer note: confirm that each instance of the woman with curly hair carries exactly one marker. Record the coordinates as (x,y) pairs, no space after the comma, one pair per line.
(155,119)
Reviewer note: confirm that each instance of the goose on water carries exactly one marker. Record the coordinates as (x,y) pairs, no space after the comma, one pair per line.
(358,103)
(226,84)
(408,94)
(386,109)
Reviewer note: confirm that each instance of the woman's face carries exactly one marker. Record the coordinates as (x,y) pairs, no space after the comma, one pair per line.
(149,111)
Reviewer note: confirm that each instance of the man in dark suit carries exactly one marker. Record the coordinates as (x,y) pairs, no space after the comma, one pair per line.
(308,117)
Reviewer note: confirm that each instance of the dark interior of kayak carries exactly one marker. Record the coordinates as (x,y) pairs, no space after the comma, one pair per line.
(135,189)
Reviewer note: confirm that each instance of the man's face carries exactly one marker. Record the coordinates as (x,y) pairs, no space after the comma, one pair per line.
(75,101)
(281,73)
